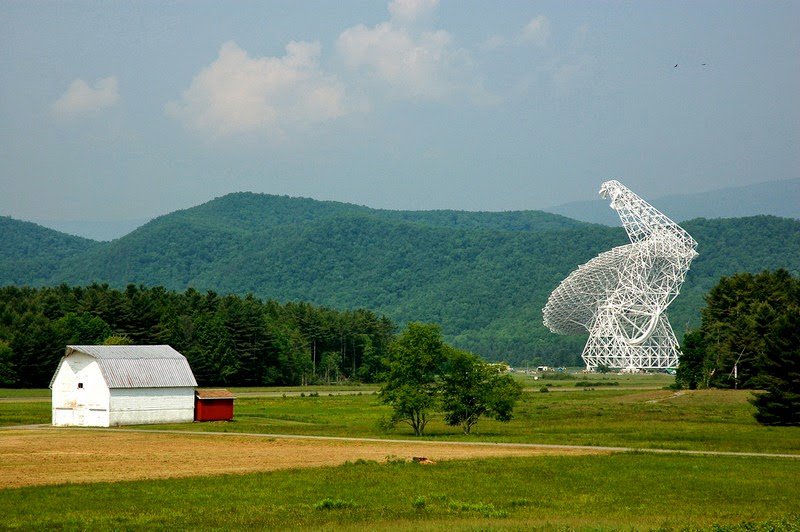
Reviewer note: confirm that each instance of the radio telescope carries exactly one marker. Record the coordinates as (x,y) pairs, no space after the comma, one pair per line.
(621,295)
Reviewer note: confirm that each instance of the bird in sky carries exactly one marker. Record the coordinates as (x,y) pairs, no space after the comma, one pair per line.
(676,65)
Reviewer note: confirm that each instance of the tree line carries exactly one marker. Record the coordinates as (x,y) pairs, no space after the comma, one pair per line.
(749,338)
(228,340)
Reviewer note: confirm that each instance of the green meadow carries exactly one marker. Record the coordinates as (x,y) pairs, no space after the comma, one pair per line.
(623,416)
(718,420)
(619,491)
(633,490)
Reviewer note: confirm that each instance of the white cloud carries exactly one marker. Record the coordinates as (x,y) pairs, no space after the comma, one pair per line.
(81,98)
(537,31)
(416,64)
(407,11)
(238,93)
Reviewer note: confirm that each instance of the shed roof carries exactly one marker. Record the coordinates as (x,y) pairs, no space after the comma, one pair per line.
(214,394)
(137,366)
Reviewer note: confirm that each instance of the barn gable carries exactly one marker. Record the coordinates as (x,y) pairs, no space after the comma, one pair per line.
(137,366)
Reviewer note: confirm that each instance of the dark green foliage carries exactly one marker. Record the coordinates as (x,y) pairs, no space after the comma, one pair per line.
(692,372)
(228,340)
(471,388)
(333,504)
(483,276)
(750,338)
(780,404)
(8,373)
(588,384)
(30,253)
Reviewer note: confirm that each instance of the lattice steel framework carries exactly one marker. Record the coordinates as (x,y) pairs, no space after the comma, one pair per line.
(621,295)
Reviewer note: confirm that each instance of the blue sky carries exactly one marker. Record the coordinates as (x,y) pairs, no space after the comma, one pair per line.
(120,110)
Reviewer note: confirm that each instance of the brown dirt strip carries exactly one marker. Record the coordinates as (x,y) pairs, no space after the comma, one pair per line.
(59,456)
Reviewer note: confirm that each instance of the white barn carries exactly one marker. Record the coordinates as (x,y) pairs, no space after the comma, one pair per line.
(108,385)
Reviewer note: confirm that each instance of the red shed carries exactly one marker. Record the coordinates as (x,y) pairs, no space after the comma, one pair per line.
(213,405)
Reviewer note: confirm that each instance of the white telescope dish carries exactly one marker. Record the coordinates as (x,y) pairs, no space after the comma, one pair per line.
(620,296)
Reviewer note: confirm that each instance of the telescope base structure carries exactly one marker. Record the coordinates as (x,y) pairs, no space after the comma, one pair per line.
(610,347)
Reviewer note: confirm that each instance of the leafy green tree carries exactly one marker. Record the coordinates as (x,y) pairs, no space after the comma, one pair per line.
(472,388)
(82,329)
(414,363)
(117,339)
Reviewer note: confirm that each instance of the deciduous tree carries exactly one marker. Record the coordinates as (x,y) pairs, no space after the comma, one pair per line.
(472,388)
(415,361)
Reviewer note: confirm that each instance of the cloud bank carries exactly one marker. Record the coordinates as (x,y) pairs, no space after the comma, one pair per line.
(399,58)
(237,93)
(417,66)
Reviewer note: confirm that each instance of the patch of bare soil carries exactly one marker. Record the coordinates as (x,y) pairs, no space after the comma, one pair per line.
(58,456)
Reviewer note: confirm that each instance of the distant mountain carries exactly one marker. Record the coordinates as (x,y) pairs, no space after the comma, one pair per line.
(483,276)
(31,254)
(282,209)
(777,198)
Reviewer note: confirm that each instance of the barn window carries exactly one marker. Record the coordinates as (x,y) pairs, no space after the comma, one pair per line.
(80,385)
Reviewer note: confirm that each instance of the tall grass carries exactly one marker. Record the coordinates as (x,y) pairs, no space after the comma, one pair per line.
(700,420)
(617,491)
(610,416)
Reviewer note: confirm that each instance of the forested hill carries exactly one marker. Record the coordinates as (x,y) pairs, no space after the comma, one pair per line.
(483,276)
(29,253)
(247,211)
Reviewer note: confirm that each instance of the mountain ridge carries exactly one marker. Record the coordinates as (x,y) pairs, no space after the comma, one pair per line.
(484,277)
(776,198)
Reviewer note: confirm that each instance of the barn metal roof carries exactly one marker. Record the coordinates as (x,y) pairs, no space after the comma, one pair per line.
(138,366)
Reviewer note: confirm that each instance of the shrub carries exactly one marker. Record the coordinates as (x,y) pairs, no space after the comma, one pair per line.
(485,509)
(333,504)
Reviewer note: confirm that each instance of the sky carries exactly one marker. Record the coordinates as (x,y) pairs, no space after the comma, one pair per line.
(130,110)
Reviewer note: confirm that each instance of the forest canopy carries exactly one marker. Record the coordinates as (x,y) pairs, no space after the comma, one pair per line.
(229,340)
(483,276)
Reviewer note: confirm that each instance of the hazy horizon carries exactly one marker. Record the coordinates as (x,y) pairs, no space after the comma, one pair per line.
(129,111)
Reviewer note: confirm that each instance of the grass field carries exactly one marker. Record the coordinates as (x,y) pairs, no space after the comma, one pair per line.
(630,491)
(718,420)
(611,491)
